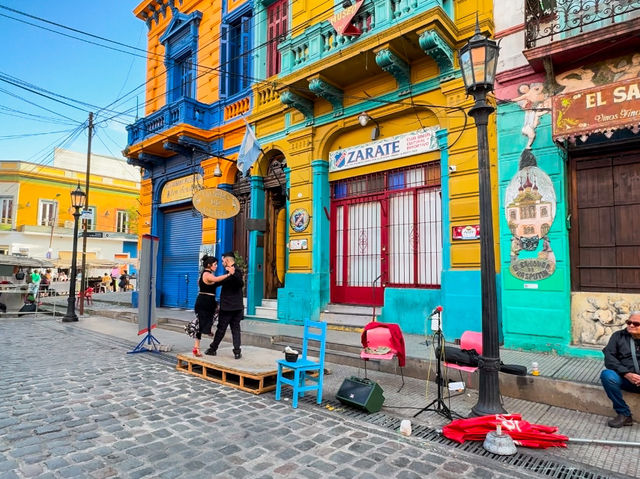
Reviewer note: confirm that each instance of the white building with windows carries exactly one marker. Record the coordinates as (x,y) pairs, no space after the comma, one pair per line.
(36,217)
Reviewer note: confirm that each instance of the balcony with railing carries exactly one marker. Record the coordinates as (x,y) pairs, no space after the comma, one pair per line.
(321,40)
(548,21)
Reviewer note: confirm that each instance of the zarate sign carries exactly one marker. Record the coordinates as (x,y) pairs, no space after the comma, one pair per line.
(341,21)
(602,109)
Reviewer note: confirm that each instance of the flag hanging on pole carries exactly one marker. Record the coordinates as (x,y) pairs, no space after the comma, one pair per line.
(249,151)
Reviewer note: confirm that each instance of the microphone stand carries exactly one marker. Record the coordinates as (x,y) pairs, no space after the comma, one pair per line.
(438,405)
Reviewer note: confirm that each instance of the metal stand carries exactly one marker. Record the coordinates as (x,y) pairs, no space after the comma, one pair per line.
(150,340)
(438,405)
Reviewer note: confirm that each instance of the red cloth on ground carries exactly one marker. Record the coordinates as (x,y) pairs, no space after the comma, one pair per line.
(397,339)
(523,433)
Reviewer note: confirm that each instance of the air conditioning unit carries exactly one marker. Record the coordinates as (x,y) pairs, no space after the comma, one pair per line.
(68,224)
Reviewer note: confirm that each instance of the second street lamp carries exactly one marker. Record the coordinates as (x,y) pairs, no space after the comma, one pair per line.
(78,198)
(478,62)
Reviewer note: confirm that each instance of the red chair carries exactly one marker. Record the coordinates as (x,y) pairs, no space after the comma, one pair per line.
(468,340)
(381,339)
(88,295)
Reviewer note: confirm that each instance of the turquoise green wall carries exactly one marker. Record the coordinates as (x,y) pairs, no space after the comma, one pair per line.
(535,315)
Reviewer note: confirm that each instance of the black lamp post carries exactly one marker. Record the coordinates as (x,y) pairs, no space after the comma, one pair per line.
(77,201)
(478,62)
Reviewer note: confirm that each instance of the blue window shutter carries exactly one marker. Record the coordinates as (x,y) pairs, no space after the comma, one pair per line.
(224,59)
(245,51)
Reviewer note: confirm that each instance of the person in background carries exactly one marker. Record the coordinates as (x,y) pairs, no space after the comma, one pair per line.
(124,281)
(62,276)
(621,357)
(106,281)
(115,274)
(231,306)
(34,287)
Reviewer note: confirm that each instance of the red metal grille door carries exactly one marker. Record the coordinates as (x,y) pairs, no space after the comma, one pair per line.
(357,253)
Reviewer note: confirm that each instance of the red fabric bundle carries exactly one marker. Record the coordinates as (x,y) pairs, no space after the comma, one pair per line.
(523,433)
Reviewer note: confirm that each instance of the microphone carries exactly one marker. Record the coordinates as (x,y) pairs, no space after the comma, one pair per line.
(437,309)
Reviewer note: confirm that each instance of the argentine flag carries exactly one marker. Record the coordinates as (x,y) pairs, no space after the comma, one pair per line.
(249,151)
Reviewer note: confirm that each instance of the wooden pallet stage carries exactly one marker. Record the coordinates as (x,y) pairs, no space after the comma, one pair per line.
(255,372)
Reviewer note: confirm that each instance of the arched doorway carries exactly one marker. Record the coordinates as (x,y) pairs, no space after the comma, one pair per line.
(275,197)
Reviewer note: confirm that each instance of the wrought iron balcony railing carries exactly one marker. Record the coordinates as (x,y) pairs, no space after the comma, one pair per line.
(552,20)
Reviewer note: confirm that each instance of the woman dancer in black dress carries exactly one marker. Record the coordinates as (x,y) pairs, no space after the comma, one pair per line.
(206,303)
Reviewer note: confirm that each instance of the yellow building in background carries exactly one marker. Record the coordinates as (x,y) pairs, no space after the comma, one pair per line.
(36,214)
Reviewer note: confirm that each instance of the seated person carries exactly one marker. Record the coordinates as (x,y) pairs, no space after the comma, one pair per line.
(621,356)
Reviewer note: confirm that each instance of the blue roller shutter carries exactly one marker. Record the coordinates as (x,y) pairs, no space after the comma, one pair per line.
(181,239)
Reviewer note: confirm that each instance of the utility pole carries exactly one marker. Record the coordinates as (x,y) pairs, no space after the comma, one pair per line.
(83,282)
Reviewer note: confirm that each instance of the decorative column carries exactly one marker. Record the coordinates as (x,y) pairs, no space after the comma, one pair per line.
(321,230)
(224,233)
(255,275)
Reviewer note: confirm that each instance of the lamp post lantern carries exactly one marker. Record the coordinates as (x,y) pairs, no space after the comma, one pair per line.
(78,198)
(478,62)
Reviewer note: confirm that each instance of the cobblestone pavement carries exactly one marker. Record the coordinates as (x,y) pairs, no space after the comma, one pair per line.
(75,405)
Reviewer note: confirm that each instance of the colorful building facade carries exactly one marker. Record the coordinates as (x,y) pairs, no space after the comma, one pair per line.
(37,217)
(365,190)
(568,121)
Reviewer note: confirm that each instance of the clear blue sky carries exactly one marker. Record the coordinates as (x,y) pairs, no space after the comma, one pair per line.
(65,66)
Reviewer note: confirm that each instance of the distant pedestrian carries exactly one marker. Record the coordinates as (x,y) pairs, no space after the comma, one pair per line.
(621,356)
(231,306)
(124,281)
(206,304)
(115,274)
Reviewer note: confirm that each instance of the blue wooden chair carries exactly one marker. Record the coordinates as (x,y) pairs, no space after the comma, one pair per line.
(304,365)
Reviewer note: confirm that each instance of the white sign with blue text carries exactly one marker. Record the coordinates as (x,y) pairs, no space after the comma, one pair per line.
(398,146)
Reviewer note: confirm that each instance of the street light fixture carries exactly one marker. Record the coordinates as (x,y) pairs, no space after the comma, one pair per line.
(478,62)
(78,198)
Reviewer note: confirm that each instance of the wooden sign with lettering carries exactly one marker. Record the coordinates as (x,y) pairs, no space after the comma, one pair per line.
(215,203)
(601,109)
(341,21)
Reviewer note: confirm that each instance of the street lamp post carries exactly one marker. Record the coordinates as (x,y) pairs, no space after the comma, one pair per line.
(77,201)
(478,61)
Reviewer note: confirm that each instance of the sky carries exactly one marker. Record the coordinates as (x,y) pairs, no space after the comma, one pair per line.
(90,76)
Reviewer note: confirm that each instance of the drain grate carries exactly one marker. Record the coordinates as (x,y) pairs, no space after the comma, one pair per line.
(540,465)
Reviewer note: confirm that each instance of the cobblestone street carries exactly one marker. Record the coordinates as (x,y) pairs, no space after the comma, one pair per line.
(74,404)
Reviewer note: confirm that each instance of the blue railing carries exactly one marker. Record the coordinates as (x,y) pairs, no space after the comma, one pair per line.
(321,40)
(552,20)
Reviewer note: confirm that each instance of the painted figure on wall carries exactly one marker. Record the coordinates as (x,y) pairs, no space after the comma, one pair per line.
(530,207)
(535,101)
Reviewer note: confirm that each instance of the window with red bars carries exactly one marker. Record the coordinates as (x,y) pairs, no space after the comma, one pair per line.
(400,211)
(277,14)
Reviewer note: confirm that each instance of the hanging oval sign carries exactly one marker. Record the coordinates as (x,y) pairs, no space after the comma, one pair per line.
(215,203)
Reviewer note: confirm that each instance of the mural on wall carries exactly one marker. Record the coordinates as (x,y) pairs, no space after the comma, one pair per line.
(536,102)
(598,315)
(530,207)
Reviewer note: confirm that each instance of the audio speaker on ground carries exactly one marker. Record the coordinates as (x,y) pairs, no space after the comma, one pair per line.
(361,393)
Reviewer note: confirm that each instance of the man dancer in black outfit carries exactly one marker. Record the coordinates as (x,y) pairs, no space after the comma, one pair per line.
(231,306)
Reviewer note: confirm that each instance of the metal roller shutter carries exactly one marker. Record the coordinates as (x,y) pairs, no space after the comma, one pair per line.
(181,239)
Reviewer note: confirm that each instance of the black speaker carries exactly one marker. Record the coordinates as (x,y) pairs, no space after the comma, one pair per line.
(361,393)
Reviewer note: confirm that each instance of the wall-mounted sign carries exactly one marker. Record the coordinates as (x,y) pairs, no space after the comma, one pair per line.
(468,232)
(398,146)
(341,21)
(298,244)
(299,220)
(604,108)
(180,188)
(215,203)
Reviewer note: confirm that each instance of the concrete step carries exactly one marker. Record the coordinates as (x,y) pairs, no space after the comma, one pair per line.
(351,309)
(356,321)
(270,303)
(266,313)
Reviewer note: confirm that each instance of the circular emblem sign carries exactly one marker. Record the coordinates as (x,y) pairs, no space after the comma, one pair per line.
(299,220)
(215,203)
